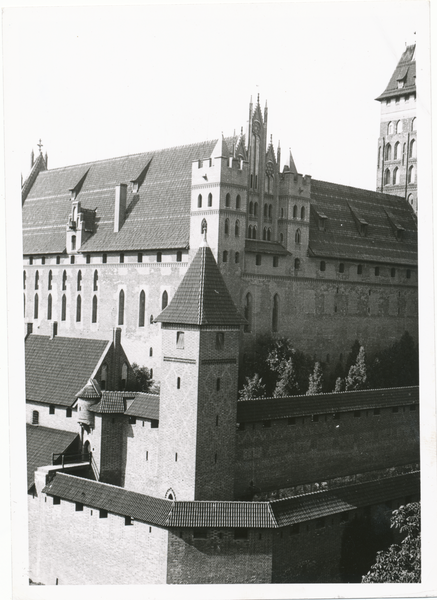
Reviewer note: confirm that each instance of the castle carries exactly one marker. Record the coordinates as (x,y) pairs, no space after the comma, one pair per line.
(176,260)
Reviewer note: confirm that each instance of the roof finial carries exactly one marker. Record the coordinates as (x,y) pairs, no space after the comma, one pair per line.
(258,99)
(271,139)
(40,145)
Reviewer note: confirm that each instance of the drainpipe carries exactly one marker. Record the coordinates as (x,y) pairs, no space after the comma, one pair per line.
(382,164)
(406,170)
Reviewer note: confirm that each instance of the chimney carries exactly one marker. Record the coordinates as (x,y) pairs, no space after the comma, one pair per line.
(54,331)
(116,372)
(29,329)
(120,206)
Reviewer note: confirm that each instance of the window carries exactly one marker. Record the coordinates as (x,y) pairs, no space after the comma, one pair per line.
(122,257)
(140,257)
(395,179)
(150,351)
(35,417)
(142,309)
(412,174)
(209,200)
(178,383)
(254,231)
(56,500)
(297,236)
(103,513)
(94,310)
(237,257)
(64,308)
(49,281)
(199,534)
(132,420)
(219,340)
(344,517)
(237,228)
(255,209)
(266,210)
(270,211)
(297,264)
(408,274)
(258,259)
(159,257)
(104,258)
(51,410)
(203,226)
(412,407)
(35,306)
(275,261)
(49,307)
(72,259)
(179,256)
(79,281)
(180,340)
(269,234)
(199,201)
(376,271)
(73,243)
(390,128)
(395,409)
(88,259)
(412,153)
(24,305)
(292,420)
(314,418)
(68,413)
(294,211)
(392,272)
(396,154)
(226,226)
(228,200)
(238,202)
(225,256)
(121,307)
(24,280)
(250,208)
(64,280)
(164,300)
(387,177)
(281,238)
(275,314)
(322,265)
(58,260)
(37,280)
(302,213)
(104,376)
(123,376)
(128,521)
(241,534)
(265,233)
(359,269)
(217,384)
(388,152)
(341,268)
(96,281)
(78,507)
(78,309)
(248,313)
(413,124)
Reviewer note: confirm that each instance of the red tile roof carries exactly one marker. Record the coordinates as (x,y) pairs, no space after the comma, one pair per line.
(341,239)
(56,369)
(263,409)
(405,72)
(42,442)
(158,216)
(202,297)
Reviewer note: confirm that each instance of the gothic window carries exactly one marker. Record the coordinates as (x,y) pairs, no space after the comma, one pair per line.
(302,213)
(238,202)
(265,233)
(282,213)
(266,210)
(237,257)
(35,307)
(387,177)
(411,174)
(228,200)
(412,149)
(388,152)
(275,313)
(413,124)
(270,211)
(79,281)
(294,212)
(404,149)
(159,257)
(225,256)
(58,260)
(37,280)
(269,234)
(395,176)
(210,200)
(64,308)
(94,310)
(392,272)
(142,309)
(164,300)
(121,307)
(254,232)
(281,237)
(49,307)
(199,201)
(64,280)
(248,312)
(396,151)
(255,209)
(180,340)
(24,280)
(390,128)
(297,264)
(72,260)
(226,226)
(250,232)
(250,208)
(399,127)
(96,281)
(297,236)
(35,417)
(88,259)
(237,228)
(49,280)
(78,309)
(104,376)
(73,243)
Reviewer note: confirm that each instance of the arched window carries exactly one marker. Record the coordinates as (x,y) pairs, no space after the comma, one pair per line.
(248,312)
(199,201)
(322,265)
(251,208)
(269,234)
(37,280)
(49,307)
(96,281)
(73,243)
(281,237)
(254,232)
(255,209)
(237,257)
(64,308)
(24,280)
(238,202)
(404,149)
(399,127)
(204,226)
(35,417)
(35,306)
(302,213)
(79,281)
(282,213)
(412,174)
(249,232)
(225,256)
(228,200)
(121,307)
(94,311)
(270,211)
(159,257)
(294,212)
(142,309)
(123,376)
(396,155)
(64,280)
(237,228)
(265,233)
(78,309)
(297,264)
(150,351)
(164,300)
(226,226)
(413,124)
(266,210)
(388,152)
(275,313)
(104,376)
(395,176)
(390,128)
(297,236)
(387,177)
(412,149)
(209,199)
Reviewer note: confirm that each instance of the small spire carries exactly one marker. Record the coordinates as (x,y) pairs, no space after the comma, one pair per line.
(32,158)
(271,139)
(257,100)
(241,132)
(40,145)
(204,240)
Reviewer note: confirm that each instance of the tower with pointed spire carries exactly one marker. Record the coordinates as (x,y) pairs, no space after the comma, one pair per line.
(397,144)
(200,341)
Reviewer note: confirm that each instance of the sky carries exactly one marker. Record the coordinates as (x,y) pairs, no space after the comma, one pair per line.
(98,82)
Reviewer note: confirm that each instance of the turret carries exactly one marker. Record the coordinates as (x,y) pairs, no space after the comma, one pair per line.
(88,396)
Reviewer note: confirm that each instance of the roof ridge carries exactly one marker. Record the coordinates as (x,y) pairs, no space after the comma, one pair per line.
(404,387)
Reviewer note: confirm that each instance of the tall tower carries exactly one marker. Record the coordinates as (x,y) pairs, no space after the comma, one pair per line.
(199,386)
(397,144)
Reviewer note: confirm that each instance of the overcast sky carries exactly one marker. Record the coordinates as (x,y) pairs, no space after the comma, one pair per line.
(99,82)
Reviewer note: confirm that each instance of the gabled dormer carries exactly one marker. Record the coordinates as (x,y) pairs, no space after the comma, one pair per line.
(397,228)
(138,181)
(80,224)
(360,222)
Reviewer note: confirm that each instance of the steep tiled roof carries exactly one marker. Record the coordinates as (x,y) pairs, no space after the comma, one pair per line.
(56,369)
(278,513)
(294,406)
(42,442)
(112,402)
(345,207)
(158,216)
(202,297)
(327,502)
(90,390)
(145,405)
(265,247)
(405,72)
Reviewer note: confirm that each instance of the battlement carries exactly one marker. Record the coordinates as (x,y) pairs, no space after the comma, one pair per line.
(294,184)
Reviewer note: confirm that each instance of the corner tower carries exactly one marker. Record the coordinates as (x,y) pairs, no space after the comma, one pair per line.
(197,421)
(397,144)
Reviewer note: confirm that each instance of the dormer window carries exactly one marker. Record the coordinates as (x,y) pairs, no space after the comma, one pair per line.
(135,187)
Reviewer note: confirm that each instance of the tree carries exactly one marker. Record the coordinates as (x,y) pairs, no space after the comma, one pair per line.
(316,380)
(401,562)
(357,376)
(143,382)
(397,365)
(253,388)
(292,368)
(339,385)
